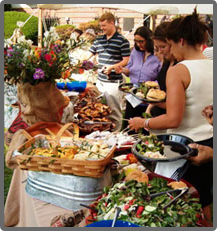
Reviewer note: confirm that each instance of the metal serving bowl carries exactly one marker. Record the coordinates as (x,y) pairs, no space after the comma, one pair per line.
(66,191)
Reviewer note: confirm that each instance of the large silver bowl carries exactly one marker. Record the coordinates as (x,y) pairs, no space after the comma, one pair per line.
(66,191)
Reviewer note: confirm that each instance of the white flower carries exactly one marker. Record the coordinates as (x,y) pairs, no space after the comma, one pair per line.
(73,36)
(52,29)
(25,53)
(21,39)
(29,42)
(7,42)
(46,34)
(31,52)
(56,37)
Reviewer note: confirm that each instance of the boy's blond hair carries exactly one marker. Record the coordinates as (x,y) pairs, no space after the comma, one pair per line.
(107,16)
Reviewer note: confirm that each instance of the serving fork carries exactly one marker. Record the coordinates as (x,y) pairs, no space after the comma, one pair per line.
(183,191)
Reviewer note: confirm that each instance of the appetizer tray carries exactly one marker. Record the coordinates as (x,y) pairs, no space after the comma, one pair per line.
(80,157)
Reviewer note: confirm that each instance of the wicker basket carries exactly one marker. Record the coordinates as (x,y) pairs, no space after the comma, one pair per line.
(51,129)
(91,168)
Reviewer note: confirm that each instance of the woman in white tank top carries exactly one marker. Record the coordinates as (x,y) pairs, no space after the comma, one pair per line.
(189,89)
(189,84)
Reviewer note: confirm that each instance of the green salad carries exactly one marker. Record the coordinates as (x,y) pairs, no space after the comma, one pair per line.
(143,89)
(132,197)
(150,144)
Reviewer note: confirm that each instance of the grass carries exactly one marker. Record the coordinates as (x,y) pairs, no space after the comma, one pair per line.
(30,30)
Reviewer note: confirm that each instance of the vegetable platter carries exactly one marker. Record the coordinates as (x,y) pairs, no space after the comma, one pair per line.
(137,207)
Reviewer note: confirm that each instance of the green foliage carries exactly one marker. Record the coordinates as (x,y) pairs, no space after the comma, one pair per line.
(90,25)
(30,30)
(65,27)
(64,31)
(176,16)
(7,7)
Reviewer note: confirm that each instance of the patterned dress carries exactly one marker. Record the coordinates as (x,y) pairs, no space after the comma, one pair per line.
(10,97)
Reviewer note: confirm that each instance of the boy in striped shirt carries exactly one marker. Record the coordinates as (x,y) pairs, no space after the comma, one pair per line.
(113,50)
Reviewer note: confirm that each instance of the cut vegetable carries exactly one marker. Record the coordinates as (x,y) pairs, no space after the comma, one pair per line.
(149,208)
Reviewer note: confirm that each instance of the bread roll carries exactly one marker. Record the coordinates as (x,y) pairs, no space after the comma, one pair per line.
(151,84)
(155,95)
(177,184)
(138,176)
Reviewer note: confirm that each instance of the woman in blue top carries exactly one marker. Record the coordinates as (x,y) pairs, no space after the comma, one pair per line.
(143,66)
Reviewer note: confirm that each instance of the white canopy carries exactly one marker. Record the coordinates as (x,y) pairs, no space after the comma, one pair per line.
(149,9)
(152,9)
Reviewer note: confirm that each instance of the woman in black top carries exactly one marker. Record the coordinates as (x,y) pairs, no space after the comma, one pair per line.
(163,49)
(201,177)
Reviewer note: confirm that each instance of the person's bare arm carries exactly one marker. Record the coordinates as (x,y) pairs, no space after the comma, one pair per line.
(175,102)
(88,56)
(122,63)
(119,69)
(149,108)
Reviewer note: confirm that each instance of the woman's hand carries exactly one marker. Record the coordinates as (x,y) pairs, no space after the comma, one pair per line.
(205,154)
(136,123)
(207,112)
(119,69)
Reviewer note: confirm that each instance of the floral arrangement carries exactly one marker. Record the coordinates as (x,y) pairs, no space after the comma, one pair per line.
(79,68)
(23,63)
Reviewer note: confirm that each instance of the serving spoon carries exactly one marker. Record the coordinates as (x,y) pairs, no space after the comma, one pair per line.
(117,212)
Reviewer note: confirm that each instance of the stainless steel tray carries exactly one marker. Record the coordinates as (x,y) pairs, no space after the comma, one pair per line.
(66,191)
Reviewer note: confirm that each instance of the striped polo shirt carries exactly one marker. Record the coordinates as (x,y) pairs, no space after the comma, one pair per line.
(110,52)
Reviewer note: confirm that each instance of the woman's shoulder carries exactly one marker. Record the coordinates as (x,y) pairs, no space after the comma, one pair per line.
(178,69)
(196,61)
(134,51)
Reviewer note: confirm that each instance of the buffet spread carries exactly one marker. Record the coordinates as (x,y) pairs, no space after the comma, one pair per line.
(85,172)
(85,164)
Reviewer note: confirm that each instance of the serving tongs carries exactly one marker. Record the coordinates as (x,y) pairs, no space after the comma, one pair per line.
(153,195)
(115,165)
(89,122)
(183,191)
(89,207)
(126,130)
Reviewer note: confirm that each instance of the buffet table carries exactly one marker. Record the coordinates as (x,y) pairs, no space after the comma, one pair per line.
(22,210)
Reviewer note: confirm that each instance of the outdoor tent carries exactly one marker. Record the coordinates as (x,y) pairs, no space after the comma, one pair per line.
(148,9)
(143,8)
